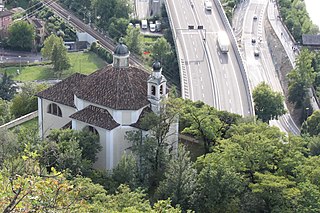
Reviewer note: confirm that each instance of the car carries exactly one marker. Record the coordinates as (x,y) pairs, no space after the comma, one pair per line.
(152,27)
(255,17)
(253,40)
(137,25)
(256,52)
(208,5)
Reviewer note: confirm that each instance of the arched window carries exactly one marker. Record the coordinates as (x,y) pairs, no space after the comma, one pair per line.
(161,89)
(153,90)
(54,109)
(91,129)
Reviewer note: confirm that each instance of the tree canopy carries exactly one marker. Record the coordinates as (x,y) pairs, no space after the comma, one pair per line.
(268,104)
(21,35)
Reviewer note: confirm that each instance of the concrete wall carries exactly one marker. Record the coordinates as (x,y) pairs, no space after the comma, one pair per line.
(52,121)
(20,120)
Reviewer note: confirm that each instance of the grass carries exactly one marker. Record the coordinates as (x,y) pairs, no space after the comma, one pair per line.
(85,63)
(31,124)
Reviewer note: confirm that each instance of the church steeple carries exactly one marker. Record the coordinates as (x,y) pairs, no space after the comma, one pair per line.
(121,55)
(157,87)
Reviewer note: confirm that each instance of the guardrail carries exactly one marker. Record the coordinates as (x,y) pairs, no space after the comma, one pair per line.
(20,120)
(181,66)
(237,52)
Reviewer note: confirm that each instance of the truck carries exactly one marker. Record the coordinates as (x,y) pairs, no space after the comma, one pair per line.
(208,5)
(223,41)
(144,24)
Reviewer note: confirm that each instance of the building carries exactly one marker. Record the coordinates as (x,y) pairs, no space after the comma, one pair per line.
(109,102)
(39,29)
(311,41)
(5,20)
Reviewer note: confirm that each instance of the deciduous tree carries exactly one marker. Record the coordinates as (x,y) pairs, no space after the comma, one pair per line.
(21,35)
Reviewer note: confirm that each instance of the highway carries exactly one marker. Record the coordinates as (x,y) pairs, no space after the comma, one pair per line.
(206,73)
(260,68)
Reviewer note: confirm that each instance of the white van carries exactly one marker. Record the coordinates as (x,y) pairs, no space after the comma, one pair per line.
(144,24)
(208,5)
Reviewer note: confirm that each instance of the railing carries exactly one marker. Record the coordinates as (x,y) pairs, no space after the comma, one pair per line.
(20,120)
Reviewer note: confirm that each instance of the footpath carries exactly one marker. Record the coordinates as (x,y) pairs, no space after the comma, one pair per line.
(287,41)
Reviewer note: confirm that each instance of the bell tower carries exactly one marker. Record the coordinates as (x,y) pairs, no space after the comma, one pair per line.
(121,55)
(157,87)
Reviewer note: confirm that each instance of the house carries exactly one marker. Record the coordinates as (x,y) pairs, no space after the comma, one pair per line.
(311,41)
(39,29)
(5,20)
(109,102)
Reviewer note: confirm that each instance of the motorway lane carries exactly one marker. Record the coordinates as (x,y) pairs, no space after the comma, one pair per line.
(192,53)
(229,80)
(262,68)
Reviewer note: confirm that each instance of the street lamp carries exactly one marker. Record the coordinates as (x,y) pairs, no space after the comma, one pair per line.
(19,62)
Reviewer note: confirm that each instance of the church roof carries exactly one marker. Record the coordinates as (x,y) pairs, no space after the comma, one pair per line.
(63,91)
(138,124)
(96,116)
(121,50)
(121,88)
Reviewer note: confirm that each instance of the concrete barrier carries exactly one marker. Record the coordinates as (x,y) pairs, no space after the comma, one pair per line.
(237,52)
(20,120)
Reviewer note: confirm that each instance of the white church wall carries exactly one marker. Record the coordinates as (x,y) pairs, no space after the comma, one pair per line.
(51,121)
(79,103)
(101,163)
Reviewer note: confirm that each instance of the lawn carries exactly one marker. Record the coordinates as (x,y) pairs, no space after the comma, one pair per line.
(31,124)
(85,63)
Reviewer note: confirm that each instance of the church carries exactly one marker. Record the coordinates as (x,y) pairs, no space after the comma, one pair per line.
(109,102)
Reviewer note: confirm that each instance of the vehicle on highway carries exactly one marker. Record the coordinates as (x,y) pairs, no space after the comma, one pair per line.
(144,24)
(208,5)
(223,41)
(255,17)
(256,52)
(253,40)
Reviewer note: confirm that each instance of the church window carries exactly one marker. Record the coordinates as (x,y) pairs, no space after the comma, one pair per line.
(153,90)
(54,109)
(161,89)
(91,129)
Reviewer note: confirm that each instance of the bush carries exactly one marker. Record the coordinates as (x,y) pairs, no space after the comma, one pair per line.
(101,52)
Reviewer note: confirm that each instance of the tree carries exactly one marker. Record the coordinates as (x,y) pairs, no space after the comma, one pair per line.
(54,50)
(59,58)
(21,35)
(126,171)
(26,101)
(5,113)
(161,51)
(301,78)
(133,40)
(118,27)
(267,104)
(179,182)
(8,87)
(312,125)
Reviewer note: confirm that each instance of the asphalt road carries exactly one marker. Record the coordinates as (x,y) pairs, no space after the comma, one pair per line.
(207,74)
(260,68)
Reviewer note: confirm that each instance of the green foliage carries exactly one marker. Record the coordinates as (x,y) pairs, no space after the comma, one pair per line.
(55,51)
(134,39)
(301,78)
(5,113)
(21,35)
(8,87)
(118,27)
(296,18)
(312,125)
(26,101)
(179,181)
(268,105)
(101,52)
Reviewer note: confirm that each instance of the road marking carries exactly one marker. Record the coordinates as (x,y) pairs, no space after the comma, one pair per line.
(228,92)
(197,56)
(201,79)
(201,86)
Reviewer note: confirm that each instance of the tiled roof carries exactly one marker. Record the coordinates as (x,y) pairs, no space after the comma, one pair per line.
(63,91)
(311,40)
(96,116)
(138,124)
(37,23)
(117,88)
